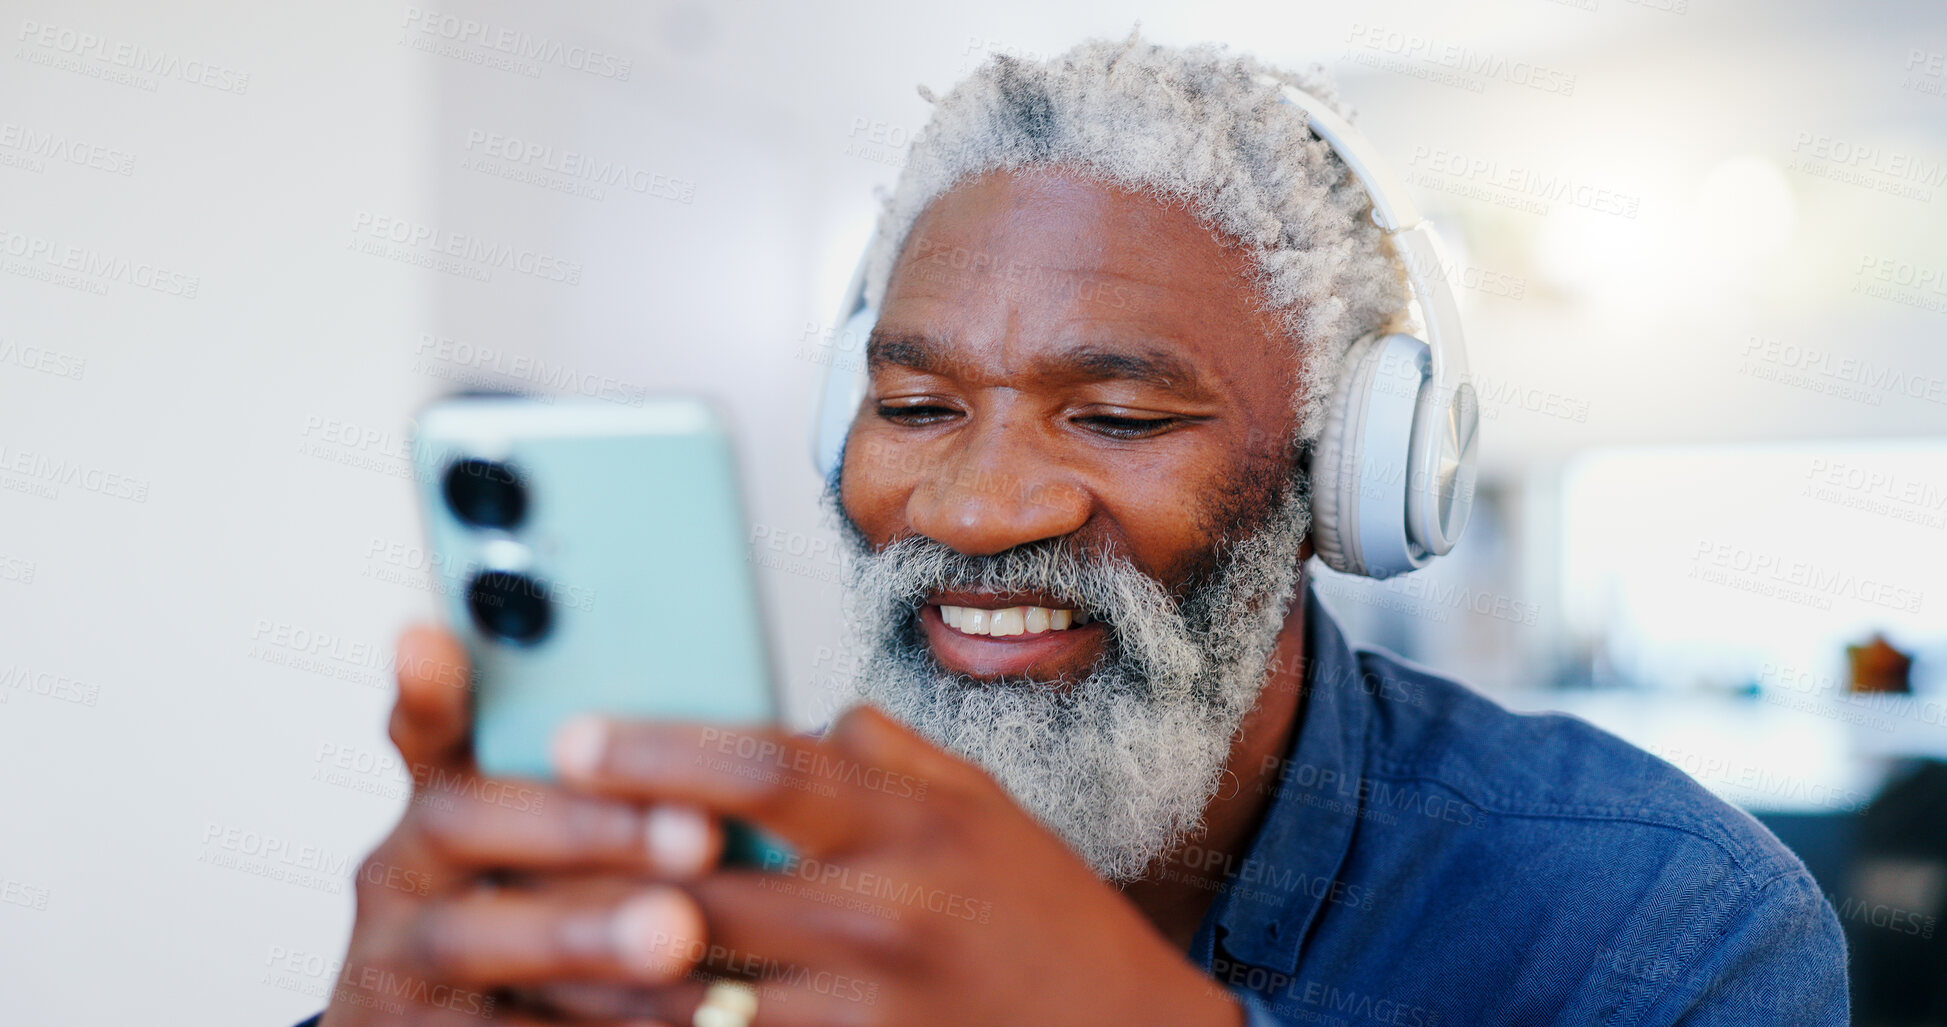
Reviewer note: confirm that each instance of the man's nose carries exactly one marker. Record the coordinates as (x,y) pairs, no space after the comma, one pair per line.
(995,490)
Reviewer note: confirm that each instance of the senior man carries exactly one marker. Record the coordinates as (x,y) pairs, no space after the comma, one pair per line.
(1110,761)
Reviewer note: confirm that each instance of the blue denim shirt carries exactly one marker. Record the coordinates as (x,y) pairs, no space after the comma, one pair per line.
(1429,858)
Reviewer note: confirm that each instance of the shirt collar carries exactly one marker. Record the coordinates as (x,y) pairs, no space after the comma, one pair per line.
(1276,891)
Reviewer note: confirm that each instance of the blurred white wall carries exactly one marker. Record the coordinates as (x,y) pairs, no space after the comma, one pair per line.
(221,301)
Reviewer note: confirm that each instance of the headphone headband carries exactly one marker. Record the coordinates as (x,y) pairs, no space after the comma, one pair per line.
(1412,236)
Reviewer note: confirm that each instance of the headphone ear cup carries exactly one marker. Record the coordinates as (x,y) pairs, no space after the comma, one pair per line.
(1335,466)
(1362,479)
(839,395)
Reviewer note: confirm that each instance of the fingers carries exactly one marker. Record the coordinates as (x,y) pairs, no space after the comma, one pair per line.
(755,774)
(829,916)
(431,715)
(494,938)
(440,1017)
(785,999)
(584,1000)
(822,797)
(553,830)
(873,736)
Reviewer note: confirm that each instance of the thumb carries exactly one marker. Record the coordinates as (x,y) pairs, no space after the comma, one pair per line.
(432,712)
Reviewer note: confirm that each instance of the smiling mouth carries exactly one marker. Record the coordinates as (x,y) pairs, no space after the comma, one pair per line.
(1011,620)
(992,641)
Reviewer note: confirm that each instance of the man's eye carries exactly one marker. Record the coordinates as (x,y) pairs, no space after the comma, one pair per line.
(915,415)
(1126,427)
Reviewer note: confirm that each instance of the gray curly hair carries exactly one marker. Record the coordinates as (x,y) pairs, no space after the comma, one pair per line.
(1190,125)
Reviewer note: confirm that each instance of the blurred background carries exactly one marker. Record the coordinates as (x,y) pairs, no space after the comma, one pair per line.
(1700,250)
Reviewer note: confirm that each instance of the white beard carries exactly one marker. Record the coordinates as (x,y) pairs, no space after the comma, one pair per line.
(1123,764)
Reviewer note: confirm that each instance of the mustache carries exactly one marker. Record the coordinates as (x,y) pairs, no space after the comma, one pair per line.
(901,576)
(1143,617)
(913,568)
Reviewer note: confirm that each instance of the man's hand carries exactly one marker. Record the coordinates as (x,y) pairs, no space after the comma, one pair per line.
(920,893)
(487,885)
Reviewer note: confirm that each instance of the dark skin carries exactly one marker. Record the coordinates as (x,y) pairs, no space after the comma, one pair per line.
(1056,358)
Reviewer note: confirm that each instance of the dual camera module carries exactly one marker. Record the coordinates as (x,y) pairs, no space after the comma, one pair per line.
(505,605)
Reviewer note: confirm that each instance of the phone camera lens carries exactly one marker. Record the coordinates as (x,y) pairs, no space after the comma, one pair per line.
(485,494)
(508,606)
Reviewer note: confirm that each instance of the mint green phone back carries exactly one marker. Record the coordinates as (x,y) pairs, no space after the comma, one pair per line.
(634,524)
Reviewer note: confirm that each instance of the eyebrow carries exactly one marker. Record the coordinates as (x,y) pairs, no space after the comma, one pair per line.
(1149,363)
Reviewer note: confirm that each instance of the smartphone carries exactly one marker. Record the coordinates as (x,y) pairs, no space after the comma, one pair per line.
(592,558)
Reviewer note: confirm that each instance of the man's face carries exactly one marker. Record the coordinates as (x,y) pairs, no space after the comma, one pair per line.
(1060,358)
(1075,522)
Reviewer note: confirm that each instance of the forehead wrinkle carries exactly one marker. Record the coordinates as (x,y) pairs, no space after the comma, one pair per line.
(901,349)
(1149,364)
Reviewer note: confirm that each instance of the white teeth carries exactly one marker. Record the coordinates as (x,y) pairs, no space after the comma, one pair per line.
(1012,620)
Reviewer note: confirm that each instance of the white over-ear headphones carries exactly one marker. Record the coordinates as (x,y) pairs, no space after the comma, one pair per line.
(1393,470)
